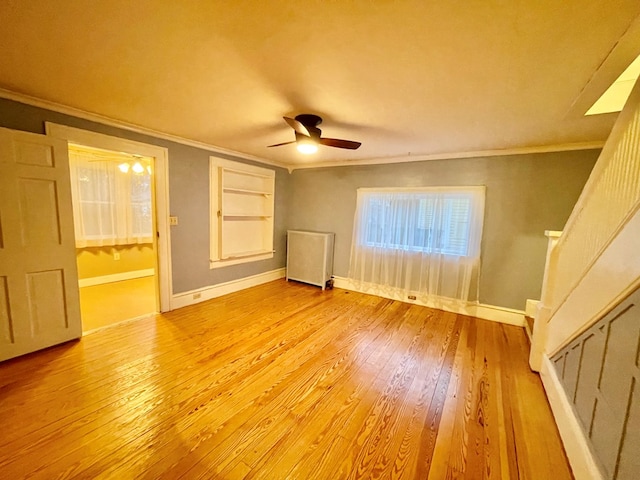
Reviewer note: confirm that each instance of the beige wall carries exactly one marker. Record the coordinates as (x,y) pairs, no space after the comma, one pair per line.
(100,261)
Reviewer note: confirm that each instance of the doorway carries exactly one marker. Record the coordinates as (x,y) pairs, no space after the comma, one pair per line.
(113,212)
(138,267)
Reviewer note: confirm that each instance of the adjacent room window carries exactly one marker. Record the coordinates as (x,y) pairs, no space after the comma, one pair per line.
(111,198)
(241,212)
(419,241)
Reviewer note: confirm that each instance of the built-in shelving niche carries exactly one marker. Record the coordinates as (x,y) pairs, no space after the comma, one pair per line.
(244,212)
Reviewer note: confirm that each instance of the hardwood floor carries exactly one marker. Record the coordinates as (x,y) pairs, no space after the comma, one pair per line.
(282,381)
(110,303)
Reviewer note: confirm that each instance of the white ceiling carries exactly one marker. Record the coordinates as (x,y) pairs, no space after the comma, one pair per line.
(403,77)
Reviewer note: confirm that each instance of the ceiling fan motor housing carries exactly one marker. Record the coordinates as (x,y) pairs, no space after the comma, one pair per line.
(311,123)
(305,127)
(309,120)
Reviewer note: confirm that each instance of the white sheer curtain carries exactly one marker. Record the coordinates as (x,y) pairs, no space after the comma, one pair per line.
(110,207)
(423,242)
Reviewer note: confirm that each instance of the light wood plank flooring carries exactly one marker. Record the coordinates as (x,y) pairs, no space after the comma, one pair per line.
(282,381)
(110,303)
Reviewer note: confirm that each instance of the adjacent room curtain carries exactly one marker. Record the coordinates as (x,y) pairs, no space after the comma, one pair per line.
(110,207)
(423,242)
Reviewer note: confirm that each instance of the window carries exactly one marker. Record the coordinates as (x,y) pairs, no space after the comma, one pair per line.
(241,212)
(428,222)
(418,241)
(111,206)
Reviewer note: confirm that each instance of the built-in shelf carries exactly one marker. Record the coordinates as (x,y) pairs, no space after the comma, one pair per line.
(245,172)
(243,198)
(252,253)
(247,192)
(240,216)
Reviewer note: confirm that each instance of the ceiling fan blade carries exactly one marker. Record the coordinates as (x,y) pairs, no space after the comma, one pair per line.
(336,142)
(297,126)
(280,144)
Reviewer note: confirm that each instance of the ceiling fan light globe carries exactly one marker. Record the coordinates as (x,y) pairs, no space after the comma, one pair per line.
(137,167)
(124,167)
(307,148)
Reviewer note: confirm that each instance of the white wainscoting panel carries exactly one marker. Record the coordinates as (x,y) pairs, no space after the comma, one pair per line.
(575,443)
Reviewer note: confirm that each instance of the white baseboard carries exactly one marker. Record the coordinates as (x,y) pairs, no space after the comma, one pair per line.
(479,310)
(116,277)
(510,316)
(575,443)
(207,293)
(531,308)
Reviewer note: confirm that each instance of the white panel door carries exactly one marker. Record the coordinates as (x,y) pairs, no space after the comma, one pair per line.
(39,298)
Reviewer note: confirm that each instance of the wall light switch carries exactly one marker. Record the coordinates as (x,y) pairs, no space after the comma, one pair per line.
(116,255)
(173,220)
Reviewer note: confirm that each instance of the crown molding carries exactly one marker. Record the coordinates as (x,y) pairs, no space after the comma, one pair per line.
(94,117)
(564,147)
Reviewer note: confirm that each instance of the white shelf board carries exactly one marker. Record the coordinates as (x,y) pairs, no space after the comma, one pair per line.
(246,192)
(245,254)
(248,173)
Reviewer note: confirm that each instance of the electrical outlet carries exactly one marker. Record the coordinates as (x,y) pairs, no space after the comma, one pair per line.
(116,255)
(173,220)
(411,297)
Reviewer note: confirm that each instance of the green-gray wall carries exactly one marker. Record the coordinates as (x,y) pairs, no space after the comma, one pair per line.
(526,195)
(188,198)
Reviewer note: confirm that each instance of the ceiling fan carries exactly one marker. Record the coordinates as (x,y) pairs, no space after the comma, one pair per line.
(308,135)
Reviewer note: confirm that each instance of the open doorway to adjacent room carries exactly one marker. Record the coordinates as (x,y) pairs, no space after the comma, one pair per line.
(121,211)
(113,209)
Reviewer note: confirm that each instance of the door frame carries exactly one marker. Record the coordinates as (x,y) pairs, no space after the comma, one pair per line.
(161,190)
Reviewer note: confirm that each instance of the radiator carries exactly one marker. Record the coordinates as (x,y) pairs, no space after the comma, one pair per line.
(310,257)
